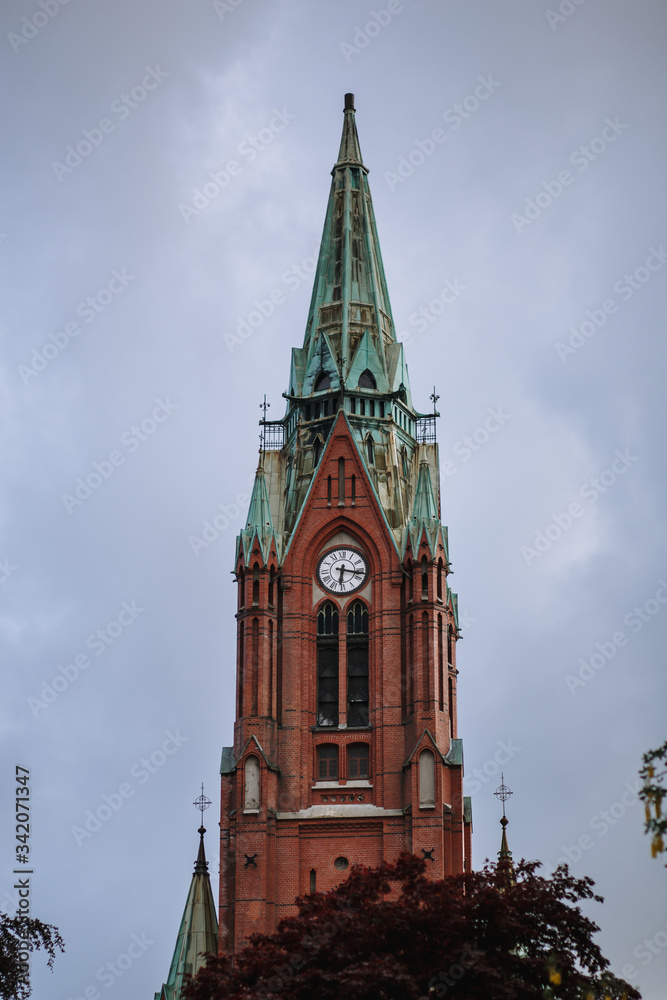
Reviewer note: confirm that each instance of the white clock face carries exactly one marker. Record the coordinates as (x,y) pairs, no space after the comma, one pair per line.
(342,571)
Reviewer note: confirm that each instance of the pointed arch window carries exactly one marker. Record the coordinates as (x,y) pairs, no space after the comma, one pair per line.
(241,580)
(370,450)
(255,583)
(317,448)
(367,380)
(450,646)
(424,565)
(327,665)
(322,382)
(251,774)
(272,585)
(427,780)
(357,665)
(439,580)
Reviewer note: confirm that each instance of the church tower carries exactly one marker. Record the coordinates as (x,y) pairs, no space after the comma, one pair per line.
(346,749)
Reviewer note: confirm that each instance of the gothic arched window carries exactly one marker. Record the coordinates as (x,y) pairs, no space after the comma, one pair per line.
(322,382)
(357,665)
(426,779)
(424,578)
(327,665)
(251,773)
(367,380)
(370,450)
(255,583)
(439,591)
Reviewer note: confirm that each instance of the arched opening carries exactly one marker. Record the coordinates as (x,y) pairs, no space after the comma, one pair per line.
(272,585)
(357,665)
(241,581)
(251,774)
(441,668)
(367,380)
(327,665)
(370,450)
(424,578)
(322,382)
(439,580)
(426,780)
(317,449)
(255,583)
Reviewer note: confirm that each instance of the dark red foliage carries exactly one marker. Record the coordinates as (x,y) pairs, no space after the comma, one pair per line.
(390,933)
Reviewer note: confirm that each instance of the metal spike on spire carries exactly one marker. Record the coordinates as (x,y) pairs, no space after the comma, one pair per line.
(504,854)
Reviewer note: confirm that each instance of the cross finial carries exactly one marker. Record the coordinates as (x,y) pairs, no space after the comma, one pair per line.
(502,792)
(434,396)
(202,803)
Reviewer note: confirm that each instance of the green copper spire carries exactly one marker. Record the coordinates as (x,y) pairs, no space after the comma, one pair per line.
(198,933)
(350,298)
(424,507)
(259,521)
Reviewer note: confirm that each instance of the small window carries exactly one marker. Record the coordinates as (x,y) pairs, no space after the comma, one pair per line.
(272,585)
(313,880)
(357,761)
(424,578)
(317,447)
(322,382)
(327,762)
(255,584)
(426,779)
(353,488)
(367,380)
(439,579)
(341,482)
(353,405)
(251,800)
(241,580)
(328,491)
(357,619)
(370,450)
(362,407)
(450,646)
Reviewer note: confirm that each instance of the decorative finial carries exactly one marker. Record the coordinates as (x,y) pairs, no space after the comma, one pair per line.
(434,396)
(201,803)
(349,102)
(503,793)
(262,434)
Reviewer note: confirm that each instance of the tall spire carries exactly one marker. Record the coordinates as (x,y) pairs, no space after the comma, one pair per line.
(198,933)
(350,294)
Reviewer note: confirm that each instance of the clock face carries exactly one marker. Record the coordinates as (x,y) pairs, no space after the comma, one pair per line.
(342,571)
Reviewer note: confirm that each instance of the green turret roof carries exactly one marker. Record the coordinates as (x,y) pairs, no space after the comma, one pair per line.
(198,933)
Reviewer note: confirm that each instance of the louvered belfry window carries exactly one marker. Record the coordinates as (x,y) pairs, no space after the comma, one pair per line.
(357,665)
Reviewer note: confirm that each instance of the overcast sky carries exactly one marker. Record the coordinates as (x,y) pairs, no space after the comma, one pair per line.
(540,200)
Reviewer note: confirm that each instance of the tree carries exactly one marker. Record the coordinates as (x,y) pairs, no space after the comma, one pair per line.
(652,795)
(390,933)
(19,935)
